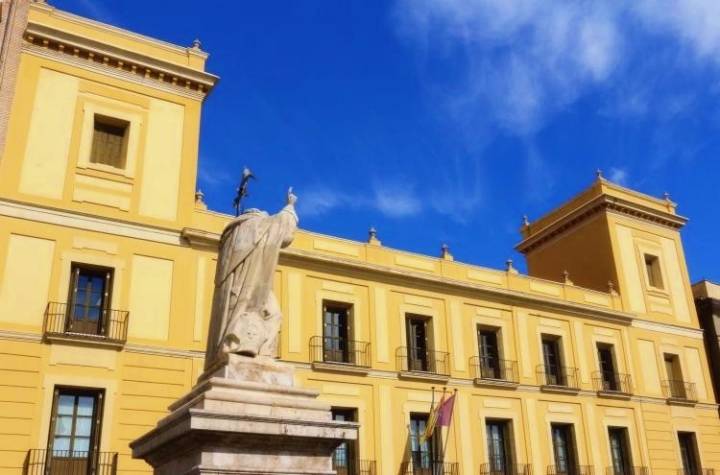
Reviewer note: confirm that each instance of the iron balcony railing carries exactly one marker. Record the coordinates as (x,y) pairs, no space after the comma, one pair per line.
(65,462)
(353,467)
(679,390)
(700,471)
(571,470)
(420,466)
(109,325)
(507,469)
(628,471)
(325,349)
(610,382)
(490,368)
(558,376)
(422,360)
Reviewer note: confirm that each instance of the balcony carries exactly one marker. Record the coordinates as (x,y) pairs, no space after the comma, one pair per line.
(62,462)
(611,384)
(572,470)
(558,379)
(339,354)
(494,372)
(514,469)
(679,392)
(418,363)
(351,467)
(106,327)
(420,466)
(628,471)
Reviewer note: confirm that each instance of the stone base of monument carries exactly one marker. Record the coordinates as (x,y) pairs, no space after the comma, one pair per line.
(245,416)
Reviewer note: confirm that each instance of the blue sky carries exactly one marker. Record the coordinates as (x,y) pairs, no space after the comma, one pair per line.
(447,120)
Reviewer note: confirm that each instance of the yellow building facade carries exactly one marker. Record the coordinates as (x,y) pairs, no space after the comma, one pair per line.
(594,363)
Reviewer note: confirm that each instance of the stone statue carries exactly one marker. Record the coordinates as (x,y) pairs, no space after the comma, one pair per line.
(246,316)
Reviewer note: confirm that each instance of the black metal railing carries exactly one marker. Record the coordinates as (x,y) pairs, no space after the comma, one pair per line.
(610,382)
(679,390)
(558,376)
(110,325)
(700,471)
(354,467)
(628,471)
(490,368)
(511,469)
(422,360)
(65,462)
(429,467)
(572,470)
(325,349)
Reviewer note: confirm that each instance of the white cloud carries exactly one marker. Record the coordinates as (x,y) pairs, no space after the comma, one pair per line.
(396,200)
(525,60)
(618,175)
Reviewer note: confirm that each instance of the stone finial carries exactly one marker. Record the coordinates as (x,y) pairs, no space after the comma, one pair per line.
(525,221)
(196,44)
(445,252)
(199,199)
(566,278)
(372,236)
(599,174)
(509,267)
(666,196)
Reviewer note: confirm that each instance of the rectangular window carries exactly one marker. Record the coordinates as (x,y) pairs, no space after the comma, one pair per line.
(564,449)
(109,143)
(620,451)
(608,374)
(75,430)
(489,353)
(552,363)
(345,460)
(689,453)
(654,273)
(418,344)
(675,383)
(499,447)
(336,332)
(89,301)
(422,453)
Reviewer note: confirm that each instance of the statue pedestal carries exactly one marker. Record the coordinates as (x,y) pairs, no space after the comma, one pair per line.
(245,416)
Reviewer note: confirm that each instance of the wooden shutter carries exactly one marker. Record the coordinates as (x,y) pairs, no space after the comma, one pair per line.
(74,282)
(107,288)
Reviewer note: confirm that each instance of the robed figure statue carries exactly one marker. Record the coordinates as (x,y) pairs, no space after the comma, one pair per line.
(246,315)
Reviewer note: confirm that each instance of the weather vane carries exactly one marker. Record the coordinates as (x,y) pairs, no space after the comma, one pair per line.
(242,189)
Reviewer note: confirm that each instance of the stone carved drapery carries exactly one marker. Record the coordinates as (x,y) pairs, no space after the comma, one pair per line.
(246,315)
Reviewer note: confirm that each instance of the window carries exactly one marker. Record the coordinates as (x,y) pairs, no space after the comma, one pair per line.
(489,353)
(654,273)
(688,453)
(345,456)
(563,449)
(620,451)
(422,453)
(75,430)
(675,383)
(499,447)
(418,344)
(89,299)
(336,333)
(608,375)
(554,375)
(109,143)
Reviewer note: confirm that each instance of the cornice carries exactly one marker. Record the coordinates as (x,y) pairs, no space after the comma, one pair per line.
(58,45)
(596,205)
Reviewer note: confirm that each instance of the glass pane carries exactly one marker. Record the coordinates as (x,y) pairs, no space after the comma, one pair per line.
(63,425)
(65,404)
(61,443)
(85,405)
(93,313)
(81,444)
(83,426)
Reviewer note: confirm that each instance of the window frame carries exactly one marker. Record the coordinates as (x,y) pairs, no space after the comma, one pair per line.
(653,271)
(426,359)
(108,121)
(556,341)
(108,274)
(340,345)
(352,452)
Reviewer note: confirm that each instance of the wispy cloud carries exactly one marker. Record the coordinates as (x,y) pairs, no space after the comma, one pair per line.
(525,60)
(618,175)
